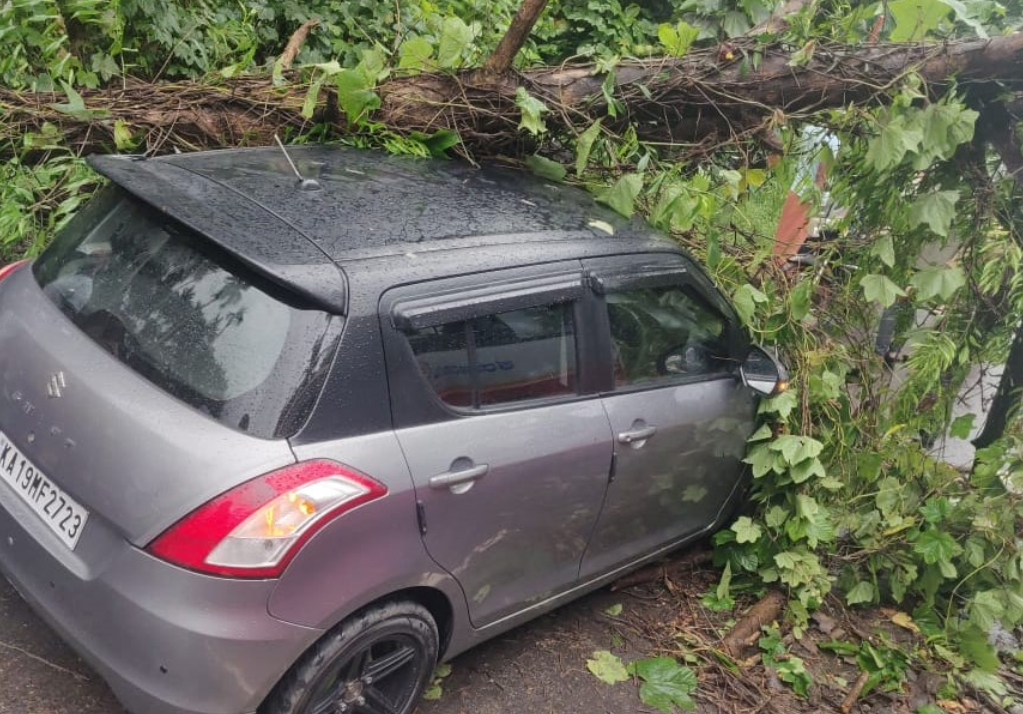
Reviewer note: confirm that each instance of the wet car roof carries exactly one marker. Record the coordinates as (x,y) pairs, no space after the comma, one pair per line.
(363,204)
(370,199)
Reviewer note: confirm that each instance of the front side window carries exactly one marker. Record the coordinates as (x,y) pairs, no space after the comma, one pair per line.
(500,358)
(664,334)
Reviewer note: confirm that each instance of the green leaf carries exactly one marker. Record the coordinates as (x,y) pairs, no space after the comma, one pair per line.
(884,249)
(764,432)
(782,405)
(440,141)
(776,516)
(614,611)
(433,693)
(606,667)
(965,15)
(666,683)
(986,608)
(915,18)
(677,39)
(962,426)
(862,592)
(936,546)
(805,470)
(800,299)
(416,53)
(75,106)
(545,168)
(455,38)
(724,588)
(622,196)
(880,289)
(937,282)
(584,145)
(795,449)
(762,459)
(311,97)
(355,94)
(745,299)
(896,139)
(936,209)
(123,139)
(973,643)
(746,531)
(735,24)
(532,110)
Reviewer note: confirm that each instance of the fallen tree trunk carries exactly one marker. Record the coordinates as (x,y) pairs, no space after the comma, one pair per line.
(704,96)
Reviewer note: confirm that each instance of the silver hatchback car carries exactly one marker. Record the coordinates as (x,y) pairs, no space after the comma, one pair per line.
(278,445)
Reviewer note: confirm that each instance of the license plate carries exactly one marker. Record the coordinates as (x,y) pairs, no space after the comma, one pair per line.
(63,514)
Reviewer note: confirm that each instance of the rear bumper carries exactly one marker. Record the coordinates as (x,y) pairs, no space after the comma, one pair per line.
(167,641)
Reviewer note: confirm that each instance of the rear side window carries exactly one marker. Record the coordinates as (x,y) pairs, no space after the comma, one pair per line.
(665,334)
(501,358)
(155,297)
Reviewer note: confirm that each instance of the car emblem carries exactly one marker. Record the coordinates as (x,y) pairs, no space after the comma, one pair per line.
(56,386)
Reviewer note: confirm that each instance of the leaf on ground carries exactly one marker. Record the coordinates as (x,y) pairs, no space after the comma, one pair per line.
(607,667)
(905,621)
(614,611)
(545,168)
(666,683)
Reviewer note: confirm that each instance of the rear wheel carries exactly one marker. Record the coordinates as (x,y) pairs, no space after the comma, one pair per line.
(376,662)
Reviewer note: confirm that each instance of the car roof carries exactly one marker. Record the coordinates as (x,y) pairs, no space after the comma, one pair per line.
(360,204)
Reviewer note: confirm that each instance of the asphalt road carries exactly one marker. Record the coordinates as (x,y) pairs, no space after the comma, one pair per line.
(538,668)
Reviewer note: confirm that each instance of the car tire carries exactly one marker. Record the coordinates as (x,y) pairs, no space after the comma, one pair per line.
(378,661)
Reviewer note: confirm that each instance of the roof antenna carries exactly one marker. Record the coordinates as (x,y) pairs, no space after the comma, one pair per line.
(303,183)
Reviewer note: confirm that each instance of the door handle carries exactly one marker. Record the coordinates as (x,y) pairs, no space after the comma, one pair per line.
(636,435)
(460,477)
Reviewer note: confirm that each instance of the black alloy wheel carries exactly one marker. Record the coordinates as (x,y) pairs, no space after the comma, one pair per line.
(378,662)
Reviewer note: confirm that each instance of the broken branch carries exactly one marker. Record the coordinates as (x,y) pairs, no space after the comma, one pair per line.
(747,628)
(294,45)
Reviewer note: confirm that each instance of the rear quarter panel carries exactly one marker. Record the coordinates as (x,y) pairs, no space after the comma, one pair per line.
(366,554)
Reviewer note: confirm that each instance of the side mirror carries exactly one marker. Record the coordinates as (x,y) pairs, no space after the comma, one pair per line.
(763,373)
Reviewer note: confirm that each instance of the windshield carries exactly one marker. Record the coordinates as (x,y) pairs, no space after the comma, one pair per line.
(164,303)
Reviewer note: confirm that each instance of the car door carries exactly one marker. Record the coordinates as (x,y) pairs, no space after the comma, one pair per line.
(679,416)
(506,439)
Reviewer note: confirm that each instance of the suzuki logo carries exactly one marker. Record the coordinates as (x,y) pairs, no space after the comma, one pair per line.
(56,386)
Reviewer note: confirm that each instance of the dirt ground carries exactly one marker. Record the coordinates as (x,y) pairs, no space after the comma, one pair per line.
(540,668)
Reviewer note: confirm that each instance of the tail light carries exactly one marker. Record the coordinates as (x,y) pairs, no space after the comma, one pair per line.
(255,529)
(8,269)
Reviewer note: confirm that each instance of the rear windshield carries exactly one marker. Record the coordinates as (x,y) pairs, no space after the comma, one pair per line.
(166,304)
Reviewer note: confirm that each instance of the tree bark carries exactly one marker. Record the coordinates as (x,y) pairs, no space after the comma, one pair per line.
(697,97)
(521,25)
(998,127)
